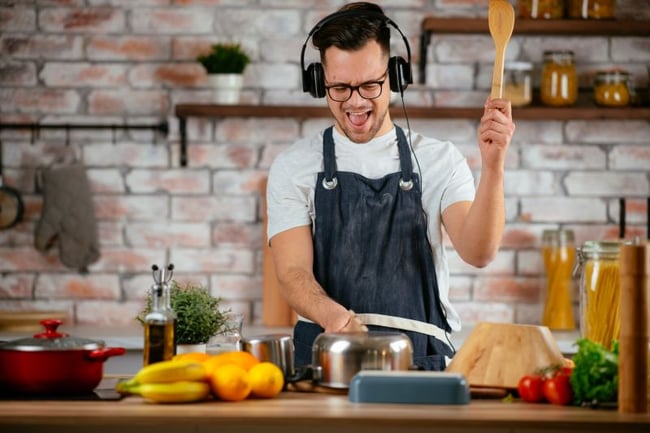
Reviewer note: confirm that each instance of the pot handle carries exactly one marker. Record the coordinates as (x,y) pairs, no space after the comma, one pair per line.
(306,372)
(104,353)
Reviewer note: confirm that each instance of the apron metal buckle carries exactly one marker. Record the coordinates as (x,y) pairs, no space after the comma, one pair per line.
(330,184)
(406,185)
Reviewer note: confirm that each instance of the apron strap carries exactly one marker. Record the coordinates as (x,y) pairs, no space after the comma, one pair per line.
(329,159)
(406,182)
(403,323)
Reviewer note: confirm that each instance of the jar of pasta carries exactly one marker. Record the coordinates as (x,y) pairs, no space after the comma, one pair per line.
(517,87)
(559,254)
(611,88)
(541,9)
(591,9)
(600,291)
(559,84)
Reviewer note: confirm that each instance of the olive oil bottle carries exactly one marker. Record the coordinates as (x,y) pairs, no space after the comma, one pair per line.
(160,323)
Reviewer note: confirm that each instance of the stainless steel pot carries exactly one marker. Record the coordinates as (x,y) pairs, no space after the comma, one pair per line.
(275,348)
(337,357)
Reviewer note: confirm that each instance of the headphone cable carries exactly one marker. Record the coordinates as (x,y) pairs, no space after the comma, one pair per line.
(408,127)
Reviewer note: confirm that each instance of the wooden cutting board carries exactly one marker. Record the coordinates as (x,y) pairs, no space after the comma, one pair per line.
(275,309)
(28,321)
(497,355)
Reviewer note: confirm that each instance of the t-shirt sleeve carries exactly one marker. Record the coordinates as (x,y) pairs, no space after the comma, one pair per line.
(287,203)
(461,182)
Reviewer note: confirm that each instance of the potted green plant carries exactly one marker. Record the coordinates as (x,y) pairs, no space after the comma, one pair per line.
(225,64)
(198,317)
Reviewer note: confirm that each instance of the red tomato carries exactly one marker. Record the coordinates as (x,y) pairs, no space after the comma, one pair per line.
(557,389)
(530,388)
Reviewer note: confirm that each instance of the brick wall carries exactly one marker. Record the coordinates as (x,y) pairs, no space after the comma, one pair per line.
(114,61)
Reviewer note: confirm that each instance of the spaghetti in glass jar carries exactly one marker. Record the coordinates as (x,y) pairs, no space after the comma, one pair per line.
(600,291)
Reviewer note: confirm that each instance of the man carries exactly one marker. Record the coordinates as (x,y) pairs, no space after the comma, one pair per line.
(355,230)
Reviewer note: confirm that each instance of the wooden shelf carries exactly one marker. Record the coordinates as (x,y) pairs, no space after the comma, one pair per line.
(183,111)
(569,27)
(305,112)
(541,27)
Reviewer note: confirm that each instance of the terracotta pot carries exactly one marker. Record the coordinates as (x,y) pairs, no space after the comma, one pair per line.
(53,363)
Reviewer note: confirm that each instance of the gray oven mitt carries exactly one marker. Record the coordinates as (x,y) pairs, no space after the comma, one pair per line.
(68,216)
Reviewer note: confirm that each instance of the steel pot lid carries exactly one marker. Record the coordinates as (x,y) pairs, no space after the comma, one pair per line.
(51,340)
(379,340)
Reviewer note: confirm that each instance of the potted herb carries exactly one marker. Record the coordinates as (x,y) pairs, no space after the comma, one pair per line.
(198,317)
(225,64)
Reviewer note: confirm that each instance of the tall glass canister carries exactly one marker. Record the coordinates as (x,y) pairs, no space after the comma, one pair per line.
(559,254)
(600,292)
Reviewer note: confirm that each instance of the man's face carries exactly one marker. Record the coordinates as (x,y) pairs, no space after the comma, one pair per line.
(358,118)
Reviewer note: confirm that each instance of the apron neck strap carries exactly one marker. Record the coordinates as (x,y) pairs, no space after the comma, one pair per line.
(329,158)
(404,155)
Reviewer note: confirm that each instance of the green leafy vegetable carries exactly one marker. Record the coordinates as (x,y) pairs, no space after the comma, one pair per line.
(595,376)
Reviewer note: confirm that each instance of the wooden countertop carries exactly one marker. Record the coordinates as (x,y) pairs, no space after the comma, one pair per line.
(310,412)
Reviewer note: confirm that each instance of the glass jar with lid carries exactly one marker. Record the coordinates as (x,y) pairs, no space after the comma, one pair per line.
(559,84)
(591,9)
(559,254)
(517,83)
(612,88)
(600,291)
(541,9)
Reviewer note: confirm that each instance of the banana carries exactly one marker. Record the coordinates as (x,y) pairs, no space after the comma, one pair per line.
(177,392)
(170,371)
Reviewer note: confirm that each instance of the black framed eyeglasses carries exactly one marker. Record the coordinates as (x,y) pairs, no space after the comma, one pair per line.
(367,90)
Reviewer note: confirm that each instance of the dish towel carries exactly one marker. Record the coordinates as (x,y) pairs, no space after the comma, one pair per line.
(68,216)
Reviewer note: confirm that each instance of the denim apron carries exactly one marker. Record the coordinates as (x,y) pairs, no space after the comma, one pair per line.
(372,255)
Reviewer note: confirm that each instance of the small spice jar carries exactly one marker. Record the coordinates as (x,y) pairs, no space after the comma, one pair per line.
(611,88)
(600,291)
(541,9)
(517,83)
(559,84)
(592,9)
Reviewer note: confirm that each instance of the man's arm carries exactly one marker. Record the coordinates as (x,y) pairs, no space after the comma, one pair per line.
(476,228)
(293,256)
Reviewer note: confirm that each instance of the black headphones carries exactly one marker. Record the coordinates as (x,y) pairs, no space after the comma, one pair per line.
(399,70)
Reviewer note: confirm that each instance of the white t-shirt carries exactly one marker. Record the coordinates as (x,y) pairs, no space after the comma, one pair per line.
(446,179)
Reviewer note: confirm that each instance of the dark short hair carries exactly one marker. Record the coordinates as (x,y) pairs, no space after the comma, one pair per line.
(352,32)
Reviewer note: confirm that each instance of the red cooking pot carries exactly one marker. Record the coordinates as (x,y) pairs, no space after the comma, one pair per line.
(53,362)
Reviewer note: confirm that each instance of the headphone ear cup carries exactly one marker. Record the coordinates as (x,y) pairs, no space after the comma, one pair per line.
(399,74)
(314,80)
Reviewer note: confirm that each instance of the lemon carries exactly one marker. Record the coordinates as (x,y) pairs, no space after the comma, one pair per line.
(240,358)
(231,383)
(266,380)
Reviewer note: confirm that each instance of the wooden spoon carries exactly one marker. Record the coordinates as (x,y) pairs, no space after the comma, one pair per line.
(501,20)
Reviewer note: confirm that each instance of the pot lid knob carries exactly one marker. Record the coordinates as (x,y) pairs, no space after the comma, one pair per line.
(50,329)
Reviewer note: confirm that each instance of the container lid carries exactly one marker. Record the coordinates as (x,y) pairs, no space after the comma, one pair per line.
(614,75)
(558,237)
(518,66)
(604,249)
(51,340)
